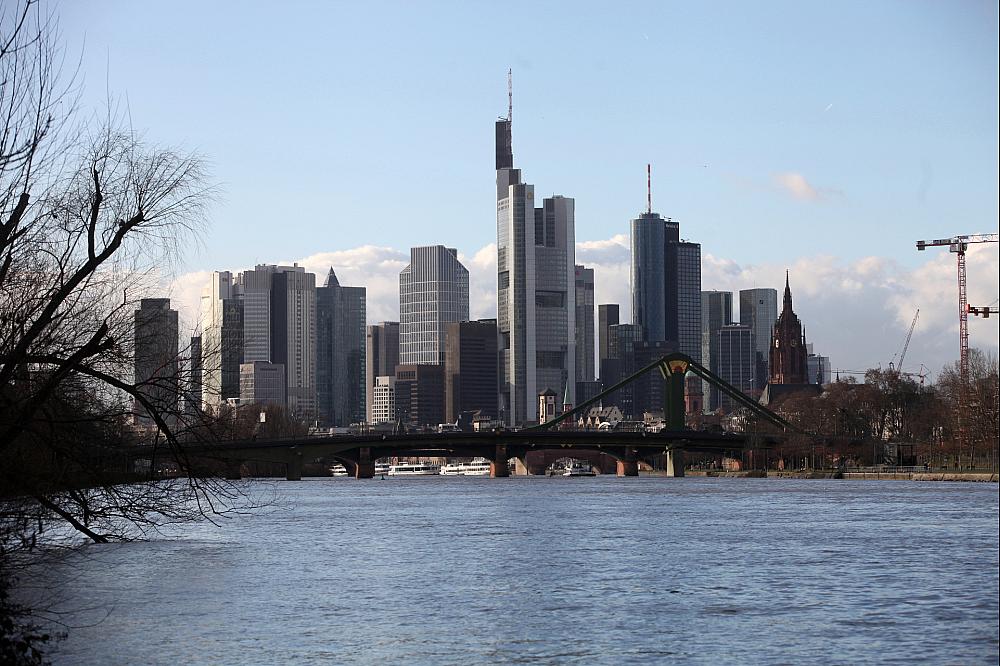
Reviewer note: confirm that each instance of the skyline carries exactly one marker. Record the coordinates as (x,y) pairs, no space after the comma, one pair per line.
(893,132)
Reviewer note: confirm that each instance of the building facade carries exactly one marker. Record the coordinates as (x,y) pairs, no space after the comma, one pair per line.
(736,359)
(262,383)
(340,353)
(716,312)
(433,291)
(536,306)
(788,346)
(222,340)
(383,400)
(607,316)
(156,367)
(470,368)
(759,311)
(584,324)
(381,358)
(419,395)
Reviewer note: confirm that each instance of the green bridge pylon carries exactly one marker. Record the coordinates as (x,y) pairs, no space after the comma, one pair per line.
(674,368)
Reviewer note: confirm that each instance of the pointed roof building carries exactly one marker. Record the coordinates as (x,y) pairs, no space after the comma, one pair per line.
(788,345)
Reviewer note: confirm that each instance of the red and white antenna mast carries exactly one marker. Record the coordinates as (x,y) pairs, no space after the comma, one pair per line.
(649,191)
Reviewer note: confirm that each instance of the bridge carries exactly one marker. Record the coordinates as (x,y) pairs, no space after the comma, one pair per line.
(358,453)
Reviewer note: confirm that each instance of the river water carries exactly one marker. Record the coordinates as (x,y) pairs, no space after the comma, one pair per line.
(555,570)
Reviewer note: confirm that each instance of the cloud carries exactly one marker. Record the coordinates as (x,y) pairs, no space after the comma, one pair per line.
(857,312)
(796,185)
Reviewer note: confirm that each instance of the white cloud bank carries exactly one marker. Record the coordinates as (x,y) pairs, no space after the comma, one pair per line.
(796,185)
(855,312)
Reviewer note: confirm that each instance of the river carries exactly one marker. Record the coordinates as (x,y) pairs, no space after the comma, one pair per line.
(554,570)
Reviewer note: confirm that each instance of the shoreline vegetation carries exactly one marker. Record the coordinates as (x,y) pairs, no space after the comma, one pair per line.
(867,475)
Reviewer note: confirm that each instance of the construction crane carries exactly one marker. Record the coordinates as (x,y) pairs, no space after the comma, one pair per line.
(906,345)
(958,245)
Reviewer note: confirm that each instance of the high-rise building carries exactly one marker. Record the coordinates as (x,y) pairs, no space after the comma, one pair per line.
(818,367)
(192,395)
(470,368)
(621,363)
(666,284)
(383,400)
(584,324)
(788,346)
(433,291)
(419,394)
(536,307)
(222,340)
(262,383)
(340,353)
(759,311)
(716,312)
(735,354)
(607,316)
(381,359)
(156,367)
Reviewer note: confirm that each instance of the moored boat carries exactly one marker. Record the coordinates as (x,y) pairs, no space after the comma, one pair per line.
(414,469)
(477,467)
(576,468)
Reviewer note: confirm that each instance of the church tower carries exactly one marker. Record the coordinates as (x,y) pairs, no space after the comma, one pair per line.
(788,346)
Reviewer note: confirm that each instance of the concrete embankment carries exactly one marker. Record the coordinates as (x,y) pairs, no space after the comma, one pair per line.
(983,477)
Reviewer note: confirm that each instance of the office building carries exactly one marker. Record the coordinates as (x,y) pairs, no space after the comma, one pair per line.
(419,394)
(433,291)
(156,368)
(759,311)
(381,358)
(192,394)
(584,324)
(716,312)
(340,353)
(536,307)
(666,284)
(383,400)
(735,361)
(607,316)
(262,383)
(222,340)
(818,367)
(470,368)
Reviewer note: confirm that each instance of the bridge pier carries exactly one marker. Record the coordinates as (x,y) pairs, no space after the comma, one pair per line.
(293,466)
(498,466)
(675,462)
(627,467)
(365,469)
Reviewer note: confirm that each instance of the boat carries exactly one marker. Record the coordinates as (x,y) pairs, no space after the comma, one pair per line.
(477,467)
(381,468)
(576,468)
(338,470)
(414,469)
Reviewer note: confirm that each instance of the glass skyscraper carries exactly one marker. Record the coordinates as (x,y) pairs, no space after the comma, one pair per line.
(759,311)
(716,312)
(433,291)
(340,353)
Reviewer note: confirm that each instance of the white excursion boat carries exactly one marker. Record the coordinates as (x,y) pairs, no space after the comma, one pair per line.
(413,469)
(576,468)
(381,468)
(478,467)
(338,470)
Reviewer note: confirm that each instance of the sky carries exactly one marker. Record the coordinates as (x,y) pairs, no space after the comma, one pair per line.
(821,138)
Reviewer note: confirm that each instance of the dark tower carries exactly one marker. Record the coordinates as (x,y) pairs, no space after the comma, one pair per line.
(788,346)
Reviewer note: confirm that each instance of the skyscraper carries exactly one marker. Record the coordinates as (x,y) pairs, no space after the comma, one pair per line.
(433,290)
(470,370)
(536,307)
(788,347)
(759,311)
(584,324)
(340,353)
(607,316)
(222,340)
(279,325)
(381,359)
(666,284)
(735,362)
(716,312)
(156,368)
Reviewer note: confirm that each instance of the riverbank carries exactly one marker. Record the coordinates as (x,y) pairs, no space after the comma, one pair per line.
(977,477)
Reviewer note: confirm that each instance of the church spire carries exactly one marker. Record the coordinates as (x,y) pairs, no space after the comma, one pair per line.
(787,304)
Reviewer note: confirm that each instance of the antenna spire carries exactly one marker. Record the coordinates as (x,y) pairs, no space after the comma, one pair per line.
(510,96)
(649,191)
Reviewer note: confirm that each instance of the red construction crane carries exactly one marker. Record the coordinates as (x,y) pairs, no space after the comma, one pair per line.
(958,245)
